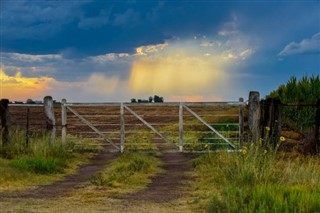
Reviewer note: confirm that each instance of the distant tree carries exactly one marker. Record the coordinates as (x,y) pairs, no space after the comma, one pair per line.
(133,100)
(158,99)
(30,101)
(143,101)
(150,99)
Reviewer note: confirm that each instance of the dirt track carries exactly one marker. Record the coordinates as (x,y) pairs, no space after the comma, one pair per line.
(60,188)
(165,188)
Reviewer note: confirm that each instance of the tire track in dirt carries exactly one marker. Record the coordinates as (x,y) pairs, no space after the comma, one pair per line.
(164,187)
(71,182)
(169,185)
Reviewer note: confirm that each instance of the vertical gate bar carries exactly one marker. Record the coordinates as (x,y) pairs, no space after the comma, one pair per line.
(241,125)
(181,127)
(122,130)
(63,121)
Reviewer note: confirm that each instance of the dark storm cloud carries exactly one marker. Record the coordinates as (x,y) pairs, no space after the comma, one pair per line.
(97,27)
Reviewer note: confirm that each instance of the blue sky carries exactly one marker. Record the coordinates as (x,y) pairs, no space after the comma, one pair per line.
(94,50)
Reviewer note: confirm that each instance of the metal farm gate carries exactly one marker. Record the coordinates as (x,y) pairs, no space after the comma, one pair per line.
(170,127)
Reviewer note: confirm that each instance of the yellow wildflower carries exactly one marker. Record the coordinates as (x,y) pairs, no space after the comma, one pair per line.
(265,151)
(244,151)
(267,128)
(282,138)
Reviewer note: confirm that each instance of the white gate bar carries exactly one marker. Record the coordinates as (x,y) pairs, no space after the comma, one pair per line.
(181,127)
(210,127)
(92,127)
(148,125)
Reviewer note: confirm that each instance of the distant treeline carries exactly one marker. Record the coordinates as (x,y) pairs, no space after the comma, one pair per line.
(155,99)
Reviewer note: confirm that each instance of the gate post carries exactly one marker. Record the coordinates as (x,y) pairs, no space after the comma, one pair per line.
(241,122)
(254,116)
(4,114)
(122,129)
(181,127)
(63,121)
(50,119)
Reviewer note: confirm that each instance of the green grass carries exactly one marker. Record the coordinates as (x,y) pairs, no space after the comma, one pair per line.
(141,140)
(39,162)
(129,171)
(40,165)
(256,180)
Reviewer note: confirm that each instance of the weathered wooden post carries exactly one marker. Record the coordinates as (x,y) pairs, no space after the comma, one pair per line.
(276,122)
(241,122)
(4,113)
(50,119)
(181,127)
(271,120)
(122,129)
(317,127)
(254,116)
(265,118)
(63,121)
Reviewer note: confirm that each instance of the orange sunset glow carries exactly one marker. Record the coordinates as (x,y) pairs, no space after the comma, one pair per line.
(18,87)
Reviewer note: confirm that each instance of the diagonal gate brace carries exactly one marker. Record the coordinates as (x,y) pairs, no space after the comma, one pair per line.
(92,127)
(148,125)
(210,127)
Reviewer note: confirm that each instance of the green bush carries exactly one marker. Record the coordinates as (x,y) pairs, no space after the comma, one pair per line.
(303,91)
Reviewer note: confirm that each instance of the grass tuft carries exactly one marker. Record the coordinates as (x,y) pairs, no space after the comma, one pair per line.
(130,170)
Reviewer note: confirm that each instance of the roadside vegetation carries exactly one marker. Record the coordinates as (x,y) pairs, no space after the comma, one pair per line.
(262,178)
(40,162)
(256,180)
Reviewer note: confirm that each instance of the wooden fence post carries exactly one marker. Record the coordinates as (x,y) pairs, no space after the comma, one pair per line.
(265,118)
(317,127)
(63,121)
(50,119)
(276,122)
(4,113)
(241,122)
(254,116)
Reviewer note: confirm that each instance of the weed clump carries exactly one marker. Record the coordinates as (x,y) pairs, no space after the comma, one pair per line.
(129,170)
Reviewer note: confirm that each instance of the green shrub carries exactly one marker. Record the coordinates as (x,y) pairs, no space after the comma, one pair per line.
(303,91)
